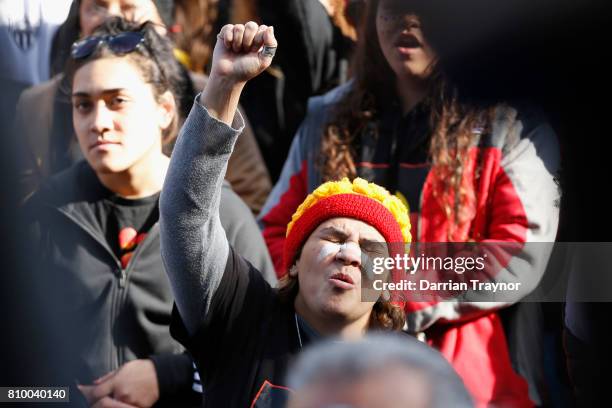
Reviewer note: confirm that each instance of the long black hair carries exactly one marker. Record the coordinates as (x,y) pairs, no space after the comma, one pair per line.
(65,35)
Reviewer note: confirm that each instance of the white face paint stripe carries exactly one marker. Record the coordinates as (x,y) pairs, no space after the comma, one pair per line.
(332,248)
(328,249)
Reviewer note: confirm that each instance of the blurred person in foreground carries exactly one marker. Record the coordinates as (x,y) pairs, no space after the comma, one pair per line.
(382,371)
(242,332)
(95,225)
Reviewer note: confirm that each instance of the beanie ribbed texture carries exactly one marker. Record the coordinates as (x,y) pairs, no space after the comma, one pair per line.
(359,200)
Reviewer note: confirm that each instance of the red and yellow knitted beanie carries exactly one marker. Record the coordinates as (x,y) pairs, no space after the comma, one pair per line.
(367,202)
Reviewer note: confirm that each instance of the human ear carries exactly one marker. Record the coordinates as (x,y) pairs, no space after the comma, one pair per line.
(167,109)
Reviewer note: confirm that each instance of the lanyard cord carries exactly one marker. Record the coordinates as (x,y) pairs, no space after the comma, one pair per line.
(297,327)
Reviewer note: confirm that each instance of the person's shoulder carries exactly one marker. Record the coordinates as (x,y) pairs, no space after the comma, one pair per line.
(232,209)
(330,98)
(231,199)
(51,193)
(518,120)
(39,93)
(69,185)
(319,109)
(524,111)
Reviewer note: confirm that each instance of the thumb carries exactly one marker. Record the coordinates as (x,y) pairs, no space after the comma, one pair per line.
(103,389)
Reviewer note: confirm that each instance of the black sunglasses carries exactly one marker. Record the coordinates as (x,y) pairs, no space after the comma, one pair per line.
(122,43)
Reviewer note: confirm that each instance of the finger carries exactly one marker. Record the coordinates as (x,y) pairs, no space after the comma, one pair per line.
(227,35)
(102,390)
(104,377)
(108,402)
(250,29)
(258,39)
(269,48)
(238,34)
(269,39)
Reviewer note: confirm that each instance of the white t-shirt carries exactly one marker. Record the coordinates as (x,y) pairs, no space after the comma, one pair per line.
(26,32)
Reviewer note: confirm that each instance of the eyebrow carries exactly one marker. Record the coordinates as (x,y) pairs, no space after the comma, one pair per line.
(371,242)
(336,232)
(103,93)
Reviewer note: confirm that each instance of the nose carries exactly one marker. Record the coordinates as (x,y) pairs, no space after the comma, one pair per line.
(349,254)
(102,119)
(410,22)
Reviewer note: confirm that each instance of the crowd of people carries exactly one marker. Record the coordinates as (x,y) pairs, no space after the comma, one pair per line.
(202,179)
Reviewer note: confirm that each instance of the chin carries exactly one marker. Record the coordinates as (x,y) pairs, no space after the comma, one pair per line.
(415,72)
(106,167)
(340,308)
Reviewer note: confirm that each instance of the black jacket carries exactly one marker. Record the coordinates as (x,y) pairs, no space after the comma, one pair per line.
(116,315)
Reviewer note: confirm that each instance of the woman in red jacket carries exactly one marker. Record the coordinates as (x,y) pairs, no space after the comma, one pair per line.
(468,172)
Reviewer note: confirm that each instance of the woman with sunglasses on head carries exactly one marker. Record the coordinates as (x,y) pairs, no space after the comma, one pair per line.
(96,223)
(470,172)
(43,121)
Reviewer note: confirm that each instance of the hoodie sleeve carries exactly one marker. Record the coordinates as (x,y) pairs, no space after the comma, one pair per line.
(194,246)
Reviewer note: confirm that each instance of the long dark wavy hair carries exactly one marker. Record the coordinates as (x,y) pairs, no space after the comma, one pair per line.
(452,121)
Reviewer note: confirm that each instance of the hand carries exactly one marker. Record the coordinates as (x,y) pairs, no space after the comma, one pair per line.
(133,384)
(238,55)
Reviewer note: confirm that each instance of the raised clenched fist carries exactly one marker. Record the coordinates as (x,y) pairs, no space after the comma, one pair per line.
(243,51)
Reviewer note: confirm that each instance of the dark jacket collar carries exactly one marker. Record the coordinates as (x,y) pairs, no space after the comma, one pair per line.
(73,192)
